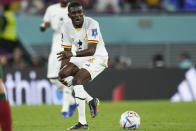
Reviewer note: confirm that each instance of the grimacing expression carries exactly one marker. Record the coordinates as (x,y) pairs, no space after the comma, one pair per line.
(77,16)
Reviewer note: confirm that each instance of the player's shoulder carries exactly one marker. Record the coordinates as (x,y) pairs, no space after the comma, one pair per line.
(91,21)
(67,24)
(54,6)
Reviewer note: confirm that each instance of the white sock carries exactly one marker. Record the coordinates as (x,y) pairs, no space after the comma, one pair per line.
(58,84)
(88,97)
(69,80)
(80,100)
(71,98)
(67,99)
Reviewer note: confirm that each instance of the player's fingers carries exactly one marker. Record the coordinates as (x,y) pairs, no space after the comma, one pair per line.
(59,53)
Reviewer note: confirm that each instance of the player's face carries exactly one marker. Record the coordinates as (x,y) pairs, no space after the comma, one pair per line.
(77,16)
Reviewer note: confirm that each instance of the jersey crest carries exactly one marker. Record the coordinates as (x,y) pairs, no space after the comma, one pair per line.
(94,32)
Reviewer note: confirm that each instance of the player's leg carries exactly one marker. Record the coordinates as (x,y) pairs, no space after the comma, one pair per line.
(52,74)
(5,112)
(80,96)
(89,99)
(67,70)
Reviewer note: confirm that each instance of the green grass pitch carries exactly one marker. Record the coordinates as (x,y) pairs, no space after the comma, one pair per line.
(155,116)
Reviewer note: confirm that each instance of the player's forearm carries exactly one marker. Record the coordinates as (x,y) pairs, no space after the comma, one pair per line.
(44,26)
(87,52)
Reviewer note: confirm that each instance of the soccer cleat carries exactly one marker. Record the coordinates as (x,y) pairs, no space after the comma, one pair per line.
(72,109)
(93,105)
(65,114)
(78,126)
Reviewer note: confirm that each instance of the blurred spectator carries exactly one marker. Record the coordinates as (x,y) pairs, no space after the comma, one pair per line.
(185,61)
(117,64)
(108,6)
(130,5)
(30,6)
(153,4)
(8,36)
(4,60)
(122,62)
(14,4)
(190,5)
(34,6)
(17,61)
(37,62)
(88,4)
(158,61)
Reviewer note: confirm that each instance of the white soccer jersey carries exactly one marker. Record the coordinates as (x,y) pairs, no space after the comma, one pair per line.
(89,33)
(56,15)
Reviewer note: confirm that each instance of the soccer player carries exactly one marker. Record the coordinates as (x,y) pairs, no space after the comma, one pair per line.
(88,61)
(54,17)
(5,113)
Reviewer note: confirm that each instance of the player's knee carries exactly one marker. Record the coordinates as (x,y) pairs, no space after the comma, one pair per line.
(77,81)
(61,75)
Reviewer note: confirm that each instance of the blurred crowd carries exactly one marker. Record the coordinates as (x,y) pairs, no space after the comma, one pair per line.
(37,7)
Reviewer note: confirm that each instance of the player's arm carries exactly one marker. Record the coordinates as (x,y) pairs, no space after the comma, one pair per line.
(64,60)
(66,54)
(46,20)
(44,26)
(88,52)
(93,40)
(66,44)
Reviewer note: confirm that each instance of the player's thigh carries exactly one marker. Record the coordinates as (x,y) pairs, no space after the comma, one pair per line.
(79,61)
(81,77)
(94,66)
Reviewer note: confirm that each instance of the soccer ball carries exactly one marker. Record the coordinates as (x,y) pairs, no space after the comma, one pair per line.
(129,120)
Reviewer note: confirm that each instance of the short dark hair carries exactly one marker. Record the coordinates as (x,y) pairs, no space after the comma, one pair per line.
(74,4)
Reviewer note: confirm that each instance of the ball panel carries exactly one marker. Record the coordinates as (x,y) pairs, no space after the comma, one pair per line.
(130,120)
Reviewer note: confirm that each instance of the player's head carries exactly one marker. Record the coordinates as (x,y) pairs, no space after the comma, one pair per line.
(76,14)
(64,3)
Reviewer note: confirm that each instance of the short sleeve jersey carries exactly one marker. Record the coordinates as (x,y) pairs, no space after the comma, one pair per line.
(56,15)
(79,38)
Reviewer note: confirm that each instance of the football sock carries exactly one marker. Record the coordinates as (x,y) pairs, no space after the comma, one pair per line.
(5,114)
(65,103)
(58,84)
(88,97)
(69,80)
(80,100)
(68,99)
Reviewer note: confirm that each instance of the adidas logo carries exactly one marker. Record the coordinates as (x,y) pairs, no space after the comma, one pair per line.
(187,88)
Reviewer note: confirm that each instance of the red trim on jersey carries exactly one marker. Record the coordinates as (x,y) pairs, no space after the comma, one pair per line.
(66,46)
(93,41)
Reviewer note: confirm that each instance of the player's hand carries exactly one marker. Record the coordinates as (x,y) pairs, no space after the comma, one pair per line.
(42,29)
(64,55)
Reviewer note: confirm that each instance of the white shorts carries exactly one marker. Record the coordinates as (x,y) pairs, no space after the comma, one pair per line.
(53,66)
(94,65)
